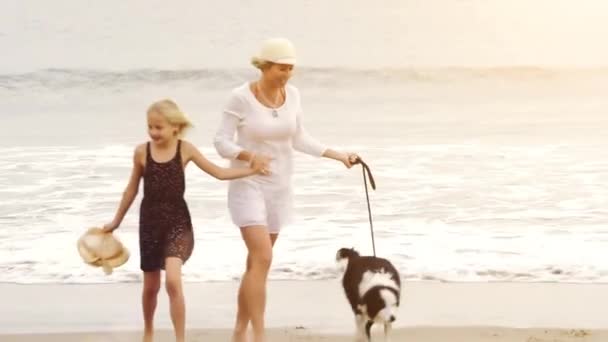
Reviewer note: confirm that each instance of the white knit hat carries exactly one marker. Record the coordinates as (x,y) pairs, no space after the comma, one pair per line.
(276,50)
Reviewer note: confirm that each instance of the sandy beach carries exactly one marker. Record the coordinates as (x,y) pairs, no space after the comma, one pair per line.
(313,311)
(427,334)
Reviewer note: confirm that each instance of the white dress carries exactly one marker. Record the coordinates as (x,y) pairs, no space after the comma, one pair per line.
(263,200)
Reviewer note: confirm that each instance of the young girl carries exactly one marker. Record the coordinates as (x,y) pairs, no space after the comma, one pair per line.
(165,230)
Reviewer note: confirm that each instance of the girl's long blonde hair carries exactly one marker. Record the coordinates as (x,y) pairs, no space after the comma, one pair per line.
(169,109)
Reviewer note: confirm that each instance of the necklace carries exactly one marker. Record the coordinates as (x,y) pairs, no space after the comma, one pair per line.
(272,104)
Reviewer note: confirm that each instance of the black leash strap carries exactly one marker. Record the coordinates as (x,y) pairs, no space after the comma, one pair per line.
(366,170)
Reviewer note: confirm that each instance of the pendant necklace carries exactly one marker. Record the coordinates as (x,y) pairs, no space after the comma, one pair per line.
(274,112)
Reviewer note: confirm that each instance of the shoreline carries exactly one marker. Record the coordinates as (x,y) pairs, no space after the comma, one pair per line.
(317,306)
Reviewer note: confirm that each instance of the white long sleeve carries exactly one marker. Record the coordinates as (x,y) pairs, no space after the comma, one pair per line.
(248,125)
(224,138)
(305,143)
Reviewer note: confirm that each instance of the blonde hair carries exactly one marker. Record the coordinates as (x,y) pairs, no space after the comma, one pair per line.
(260,63)
(169,109)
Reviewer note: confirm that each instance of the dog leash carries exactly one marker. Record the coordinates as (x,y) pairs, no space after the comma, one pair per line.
(367,173)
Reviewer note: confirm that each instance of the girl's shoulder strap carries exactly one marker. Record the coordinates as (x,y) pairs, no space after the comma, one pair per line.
(148,151)
(178,153)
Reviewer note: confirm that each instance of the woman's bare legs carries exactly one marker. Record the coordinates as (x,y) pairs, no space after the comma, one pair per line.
(252,292)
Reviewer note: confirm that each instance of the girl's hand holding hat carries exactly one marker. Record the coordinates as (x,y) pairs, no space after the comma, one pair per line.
(110,227)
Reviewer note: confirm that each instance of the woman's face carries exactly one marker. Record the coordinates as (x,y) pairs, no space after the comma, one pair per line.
(278,74)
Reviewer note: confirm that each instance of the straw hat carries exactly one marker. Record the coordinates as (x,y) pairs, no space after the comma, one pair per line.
(276,50)
(98,248)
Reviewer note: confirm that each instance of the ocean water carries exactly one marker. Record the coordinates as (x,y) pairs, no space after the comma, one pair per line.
(488,149)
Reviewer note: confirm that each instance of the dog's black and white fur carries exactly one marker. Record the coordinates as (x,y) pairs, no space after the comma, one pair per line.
(373,288)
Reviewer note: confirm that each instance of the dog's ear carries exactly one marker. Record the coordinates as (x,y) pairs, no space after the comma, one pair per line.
(346,253)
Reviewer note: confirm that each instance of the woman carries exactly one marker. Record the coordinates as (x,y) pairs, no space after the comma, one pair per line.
(265,115)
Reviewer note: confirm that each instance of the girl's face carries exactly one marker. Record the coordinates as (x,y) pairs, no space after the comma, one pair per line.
(159,129)
(278,74)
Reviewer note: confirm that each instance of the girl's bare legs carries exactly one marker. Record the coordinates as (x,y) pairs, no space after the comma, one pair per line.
(177,305)
(148,300)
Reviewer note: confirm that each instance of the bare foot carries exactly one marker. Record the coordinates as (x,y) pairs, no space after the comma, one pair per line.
(148,337)
(259,337)
(239,336)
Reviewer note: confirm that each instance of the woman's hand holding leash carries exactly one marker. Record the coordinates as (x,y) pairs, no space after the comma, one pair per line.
(349,159)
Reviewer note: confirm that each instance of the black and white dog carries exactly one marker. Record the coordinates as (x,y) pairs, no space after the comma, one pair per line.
(373,287)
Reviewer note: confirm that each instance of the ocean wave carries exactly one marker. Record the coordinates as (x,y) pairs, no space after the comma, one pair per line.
(439,213)
(22,274)
(90,78)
